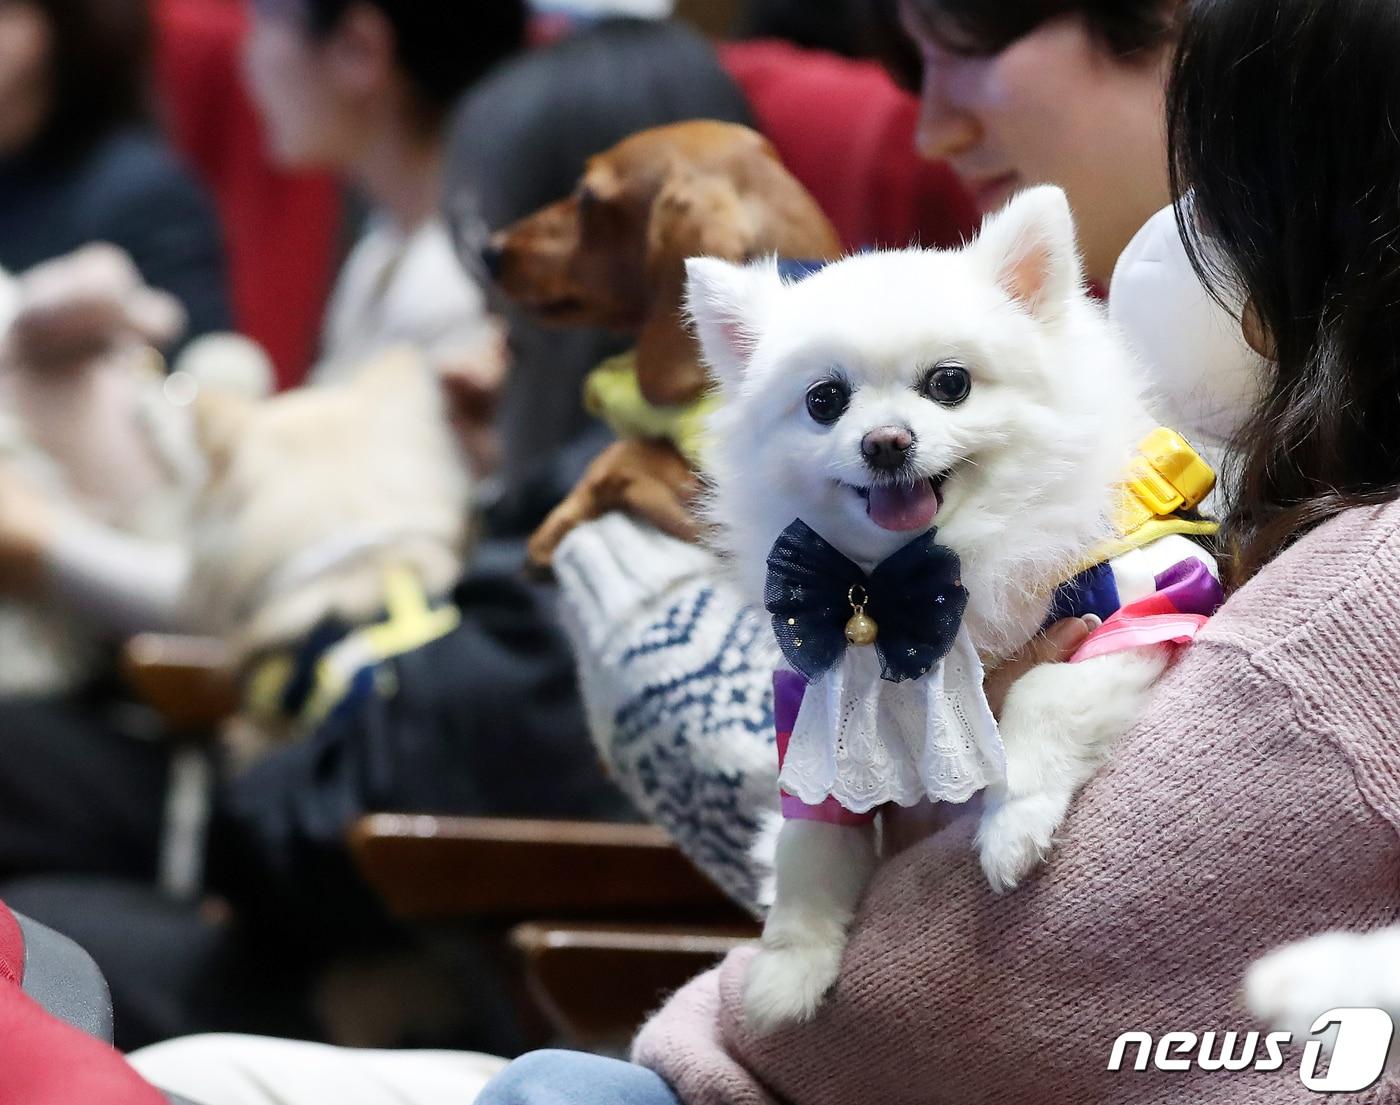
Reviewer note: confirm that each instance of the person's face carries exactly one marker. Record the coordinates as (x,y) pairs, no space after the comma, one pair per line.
(25,48)
(314,94)
(1054,107)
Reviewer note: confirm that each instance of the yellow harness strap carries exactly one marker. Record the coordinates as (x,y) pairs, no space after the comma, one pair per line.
(410,622)
(1166,477)
(611,393)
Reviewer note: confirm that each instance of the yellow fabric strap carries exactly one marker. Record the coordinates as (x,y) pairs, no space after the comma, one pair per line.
(410,623)
(611,393)
(266,686)
(1167,476)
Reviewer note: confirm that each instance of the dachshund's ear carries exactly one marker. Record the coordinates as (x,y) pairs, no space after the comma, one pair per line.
(694,215)
(727,303)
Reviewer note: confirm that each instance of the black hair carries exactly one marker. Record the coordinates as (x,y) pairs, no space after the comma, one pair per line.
(444,46)
(1282,118)
(838,26)
(99,72)
(986,27)
(521,140)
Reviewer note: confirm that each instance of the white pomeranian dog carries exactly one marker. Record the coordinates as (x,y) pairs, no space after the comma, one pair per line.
(981,391)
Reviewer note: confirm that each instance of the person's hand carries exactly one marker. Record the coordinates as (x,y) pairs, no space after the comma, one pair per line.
(81,305)
(908,825)
(27,527)
(1055,646)
(472,385)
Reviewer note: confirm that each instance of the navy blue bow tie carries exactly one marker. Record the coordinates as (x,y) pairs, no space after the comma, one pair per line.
(822,602)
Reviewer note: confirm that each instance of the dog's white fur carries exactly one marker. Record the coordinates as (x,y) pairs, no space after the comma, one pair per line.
(371,463)
(1036,453)
(1294,985)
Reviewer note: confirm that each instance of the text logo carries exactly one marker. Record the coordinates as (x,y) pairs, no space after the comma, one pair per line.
(1358,1054)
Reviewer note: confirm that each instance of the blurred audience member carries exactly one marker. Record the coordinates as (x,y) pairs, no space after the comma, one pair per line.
(364,87)
(80,161)
(1051,92)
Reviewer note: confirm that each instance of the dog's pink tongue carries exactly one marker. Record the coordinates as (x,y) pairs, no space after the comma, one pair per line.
(904,508)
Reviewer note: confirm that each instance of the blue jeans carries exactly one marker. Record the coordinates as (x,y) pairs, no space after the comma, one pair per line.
(575,1078)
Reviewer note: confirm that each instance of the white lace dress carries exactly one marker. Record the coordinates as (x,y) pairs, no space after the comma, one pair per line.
(865,741)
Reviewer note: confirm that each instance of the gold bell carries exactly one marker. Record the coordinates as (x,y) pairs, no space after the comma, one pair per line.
(861,629)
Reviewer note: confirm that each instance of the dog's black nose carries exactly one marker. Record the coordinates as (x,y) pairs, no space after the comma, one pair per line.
(492,254)
(887,448)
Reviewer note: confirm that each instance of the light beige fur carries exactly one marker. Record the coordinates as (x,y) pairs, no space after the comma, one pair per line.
(370,464)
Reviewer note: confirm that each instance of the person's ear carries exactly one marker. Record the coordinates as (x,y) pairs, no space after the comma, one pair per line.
(360,52)
(1256,334)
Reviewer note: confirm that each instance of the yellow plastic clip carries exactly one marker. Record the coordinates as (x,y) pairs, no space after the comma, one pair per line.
(1166,476)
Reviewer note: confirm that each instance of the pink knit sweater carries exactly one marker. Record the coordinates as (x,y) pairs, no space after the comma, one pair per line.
(1257,801)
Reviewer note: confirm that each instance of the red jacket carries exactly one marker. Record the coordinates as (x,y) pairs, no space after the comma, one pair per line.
(44,1061)
(846,131)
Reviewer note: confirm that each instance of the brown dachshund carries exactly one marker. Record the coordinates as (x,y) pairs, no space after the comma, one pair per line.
(613,255)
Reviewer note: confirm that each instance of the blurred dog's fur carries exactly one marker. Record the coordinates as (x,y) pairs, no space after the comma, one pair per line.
(613,255)
(314,495)
(88,423)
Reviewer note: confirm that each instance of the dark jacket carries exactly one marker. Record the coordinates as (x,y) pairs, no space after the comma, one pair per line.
(130,190)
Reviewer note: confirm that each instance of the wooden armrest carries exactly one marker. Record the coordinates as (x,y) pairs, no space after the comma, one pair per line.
(186,680)
(442,868)
(597,982)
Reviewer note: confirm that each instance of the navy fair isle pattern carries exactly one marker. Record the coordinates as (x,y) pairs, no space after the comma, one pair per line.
(692,740)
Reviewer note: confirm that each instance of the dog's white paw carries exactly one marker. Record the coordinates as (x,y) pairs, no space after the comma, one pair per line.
(1292,986)
(1015,836)
(786,984)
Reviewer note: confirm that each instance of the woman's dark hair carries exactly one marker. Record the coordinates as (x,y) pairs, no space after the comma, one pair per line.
(985,27)
(444,46)
(99,69)
(521,140)
(1282,117)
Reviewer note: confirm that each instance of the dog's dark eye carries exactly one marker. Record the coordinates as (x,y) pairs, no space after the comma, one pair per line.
(827,401)
(948,384)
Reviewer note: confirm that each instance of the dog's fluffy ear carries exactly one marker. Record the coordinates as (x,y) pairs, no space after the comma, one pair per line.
(220,419)
(726,303)
(1030,245)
